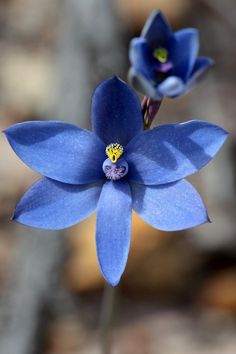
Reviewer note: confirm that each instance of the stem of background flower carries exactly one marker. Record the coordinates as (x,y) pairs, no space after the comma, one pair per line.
(107,317)
(150,109)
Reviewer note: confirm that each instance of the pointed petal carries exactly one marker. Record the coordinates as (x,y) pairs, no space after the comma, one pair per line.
(184,52)
(58,150)
(142,85)
(170,152)
(142,59)
(173,86)
(169,207)
(113,230)
(199,70)
(156,30)
(116,112)
(53,205)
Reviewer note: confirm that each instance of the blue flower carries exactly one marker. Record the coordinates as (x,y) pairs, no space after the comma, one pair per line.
(112,170)
(165,63)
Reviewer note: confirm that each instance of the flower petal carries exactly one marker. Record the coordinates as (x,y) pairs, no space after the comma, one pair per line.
(142,85)
(170,152)
(58,150)
(184,52)
(142,59)
(172,86)
(156,30)
(114,213)
(169,207)
(199,70)
(53,205)
(116,112)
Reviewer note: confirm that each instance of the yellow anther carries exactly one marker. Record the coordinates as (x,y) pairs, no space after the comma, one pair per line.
(161,54)
(114,152)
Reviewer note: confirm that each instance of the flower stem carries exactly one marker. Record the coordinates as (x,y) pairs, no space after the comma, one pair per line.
(150,109)
(107,317)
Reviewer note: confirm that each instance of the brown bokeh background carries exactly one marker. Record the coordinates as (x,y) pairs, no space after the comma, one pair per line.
(178,293)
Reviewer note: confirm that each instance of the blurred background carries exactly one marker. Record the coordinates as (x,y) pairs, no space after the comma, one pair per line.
(178,293)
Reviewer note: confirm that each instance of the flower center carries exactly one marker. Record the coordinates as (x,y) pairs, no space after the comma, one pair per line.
(115,171)
(114,152)
(113,168)
(161,54)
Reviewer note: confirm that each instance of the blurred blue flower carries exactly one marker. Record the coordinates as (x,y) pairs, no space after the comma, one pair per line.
(113,169)
(165,63)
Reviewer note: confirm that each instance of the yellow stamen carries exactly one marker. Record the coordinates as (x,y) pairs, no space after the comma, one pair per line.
(161,54)
(114,152)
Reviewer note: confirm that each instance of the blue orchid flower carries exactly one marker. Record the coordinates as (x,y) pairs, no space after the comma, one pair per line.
(165,63)
(112,170)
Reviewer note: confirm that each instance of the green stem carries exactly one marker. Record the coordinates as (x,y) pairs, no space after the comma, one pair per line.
(107,317)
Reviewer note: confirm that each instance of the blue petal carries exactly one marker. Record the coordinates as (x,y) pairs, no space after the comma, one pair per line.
(183,53)
(169,207)
(168,153)
(116,112)
(156,30)
(142,85)
(53,205)
(114,213)
(58,150)
(199,70)
(142,59)
(172,87)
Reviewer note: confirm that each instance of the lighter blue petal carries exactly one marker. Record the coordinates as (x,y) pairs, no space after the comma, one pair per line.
(172,86)
(58,150)
(142,59)
(53,205)
(184,52)
(170,207)
(199,70)
(142,85)
(170,152)
(113,229)
(116,112)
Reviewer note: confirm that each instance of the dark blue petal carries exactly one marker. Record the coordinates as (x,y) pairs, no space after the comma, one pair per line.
(156,30)
(142,85)
(199,70)
(168,153)
(59,150)
(116,112)
(173,86)
(183,52)
(53,205)
(142,59)
(113,230)
(169,207)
